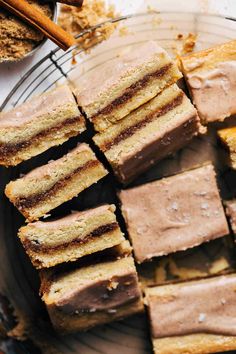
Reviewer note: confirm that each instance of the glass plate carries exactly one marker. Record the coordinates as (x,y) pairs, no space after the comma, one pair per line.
(19,281)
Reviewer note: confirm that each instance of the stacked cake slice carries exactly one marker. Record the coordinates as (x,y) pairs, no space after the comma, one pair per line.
(42,122)
(72,237)
(47,187)
(139,112)
(103,290)
(124,83)
(150,133)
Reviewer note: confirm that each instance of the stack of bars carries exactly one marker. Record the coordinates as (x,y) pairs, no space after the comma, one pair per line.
(138,110)
(190,290)
(86,266)
(101,283)
(87,271)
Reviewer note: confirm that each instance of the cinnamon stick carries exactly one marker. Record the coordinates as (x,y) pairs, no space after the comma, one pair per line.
(40,21)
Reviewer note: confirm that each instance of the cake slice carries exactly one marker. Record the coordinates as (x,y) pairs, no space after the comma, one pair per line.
(228,137)
(174,213)
(42,122)
(72,237)
(92,294)
(150,133)
(231,212)
(211,78)
(193,317)
(120,85)
(46,187)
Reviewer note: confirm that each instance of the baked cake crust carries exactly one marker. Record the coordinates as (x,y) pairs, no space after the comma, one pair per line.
(209,259)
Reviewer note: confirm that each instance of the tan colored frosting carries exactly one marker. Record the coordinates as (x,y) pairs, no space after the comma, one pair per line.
(231,212)
(213,90)
(37,106)
(47,169)
(89,86)
(72,218)
(174,213)
(102,295)
(204,306)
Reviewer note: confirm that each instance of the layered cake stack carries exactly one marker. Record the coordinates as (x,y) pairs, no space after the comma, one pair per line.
(87,270)
(43,122)
(102,290)
(48,186)
(139,112)
(86,266)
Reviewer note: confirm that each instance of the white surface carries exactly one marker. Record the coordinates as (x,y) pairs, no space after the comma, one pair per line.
(11,73)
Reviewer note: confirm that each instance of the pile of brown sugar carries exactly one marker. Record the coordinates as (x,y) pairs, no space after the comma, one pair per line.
(17,38)
(74,20)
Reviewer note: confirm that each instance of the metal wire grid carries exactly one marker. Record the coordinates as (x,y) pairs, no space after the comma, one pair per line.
(55,66)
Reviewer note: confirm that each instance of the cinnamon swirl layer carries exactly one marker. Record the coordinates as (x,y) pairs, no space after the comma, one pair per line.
(72,237)
(48,186)
(111,91)
(149,134)
(33,127)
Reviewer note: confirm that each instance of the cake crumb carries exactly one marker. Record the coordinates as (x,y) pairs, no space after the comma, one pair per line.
(187,46)
(123,31)
(179,36)
(75,20)
(189,43)
(112,285)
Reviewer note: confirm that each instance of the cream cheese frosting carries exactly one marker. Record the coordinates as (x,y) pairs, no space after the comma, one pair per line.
(174,213)
(203,306)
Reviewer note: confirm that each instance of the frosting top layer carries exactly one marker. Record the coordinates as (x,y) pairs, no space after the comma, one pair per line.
(203,306)
(211,76)
(46,103)
(89,86)
(174,213)
(75,218)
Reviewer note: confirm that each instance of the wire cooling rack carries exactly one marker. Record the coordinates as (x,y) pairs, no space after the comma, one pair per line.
(56,65)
